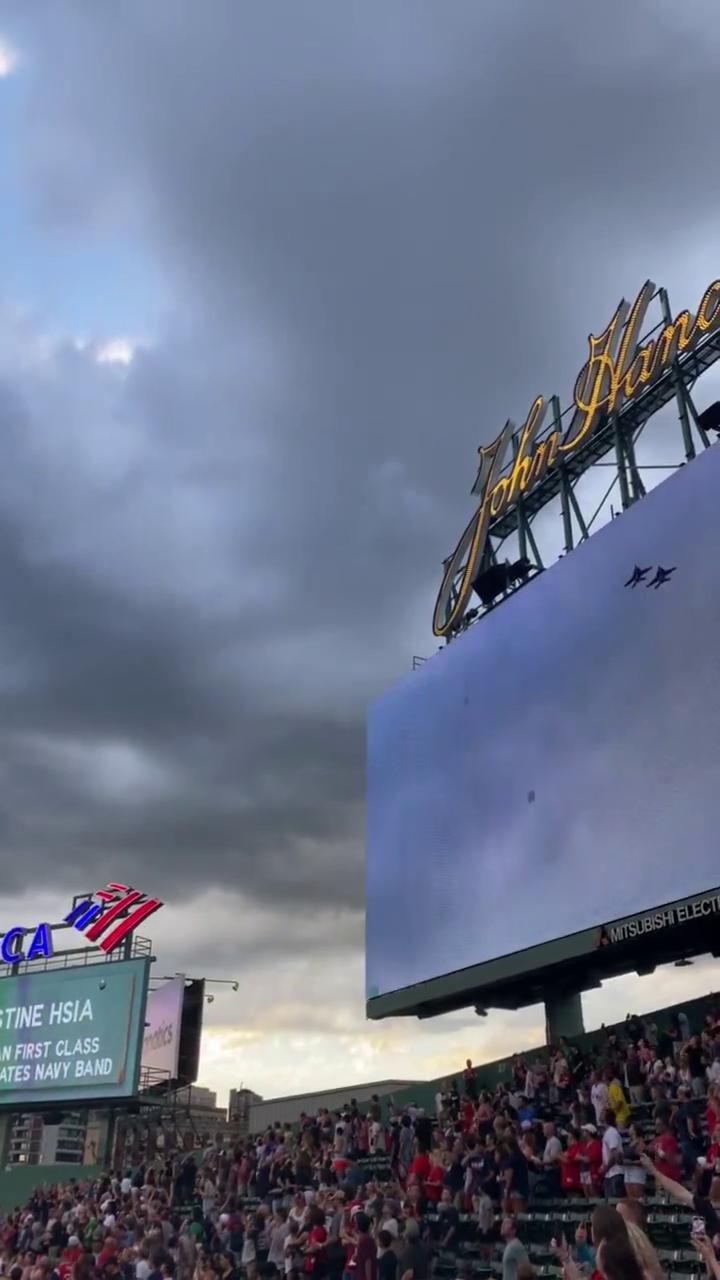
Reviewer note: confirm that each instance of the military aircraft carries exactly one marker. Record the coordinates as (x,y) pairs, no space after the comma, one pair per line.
(662,575)
(637,575)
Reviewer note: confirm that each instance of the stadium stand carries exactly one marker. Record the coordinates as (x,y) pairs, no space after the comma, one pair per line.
(546,1164)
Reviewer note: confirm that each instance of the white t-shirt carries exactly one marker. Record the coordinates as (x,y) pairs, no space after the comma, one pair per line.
(599,1099)
(612,1152)
(142,1269)
(126,1186)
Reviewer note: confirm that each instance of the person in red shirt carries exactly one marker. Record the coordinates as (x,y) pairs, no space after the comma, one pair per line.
(467,1115)
(419,1170)
(316,1246)
(713,1164)
(590,1158)
(108,1253)
(70,1256)
(366,1254)
(665,1151)
(570,1164)
(435,1179)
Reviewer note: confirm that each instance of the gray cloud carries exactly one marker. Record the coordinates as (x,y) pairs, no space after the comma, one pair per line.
(382,229)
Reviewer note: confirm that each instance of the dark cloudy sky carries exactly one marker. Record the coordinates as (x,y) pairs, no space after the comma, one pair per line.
(270,272)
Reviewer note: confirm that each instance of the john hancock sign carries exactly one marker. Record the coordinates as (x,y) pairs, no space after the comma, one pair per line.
(617,370)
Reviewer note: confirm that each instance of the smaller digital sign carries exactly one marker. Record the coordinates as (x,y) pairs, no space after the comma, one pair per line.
(163,1025)
(73,1035)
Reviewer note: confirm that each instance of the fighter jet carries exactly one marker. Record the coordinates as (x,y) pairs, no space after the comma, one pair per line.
(637,576)
(662,575)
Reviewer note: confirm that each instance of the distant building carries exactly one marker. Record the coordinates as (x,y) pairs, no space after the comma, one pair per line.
(289,1110)
(239,1104)
(33,1141)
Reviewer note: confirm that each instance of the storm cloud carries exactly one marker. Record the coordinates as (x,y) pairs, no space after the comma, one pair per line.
(369,233)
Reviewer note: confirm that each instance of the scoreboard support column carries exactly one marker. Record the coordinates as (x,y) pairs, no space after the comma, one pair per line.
(563,1016)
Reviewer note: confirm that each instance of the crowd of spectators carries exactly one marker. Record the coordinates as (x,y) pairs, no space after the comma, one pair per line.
(382,1193)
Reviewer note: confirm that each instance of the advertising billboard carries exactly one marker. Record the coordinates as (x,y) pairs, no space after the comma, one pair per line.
(73,1034)
(554,768)
(163,1021)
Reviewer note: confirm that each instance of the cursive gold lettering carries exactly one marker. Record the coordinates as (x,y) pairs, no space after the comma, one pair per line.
(594,384)
(471,547)
(703,320)
(520,476)
(640,371)
(675,337)
(630,339)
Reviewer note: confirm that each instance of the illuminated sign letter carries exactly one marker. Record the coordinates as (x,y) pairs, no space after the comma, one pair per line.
(703,320)
(467,556)
(41,944)
(11,946)
(594,384)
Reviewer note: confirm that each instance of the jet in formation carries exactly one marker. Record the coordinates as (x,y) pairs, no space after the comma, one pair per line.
(639,575)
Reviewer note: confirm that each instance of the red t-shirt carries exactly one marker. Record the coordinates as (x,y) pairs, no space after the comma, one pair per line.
(434,1183)
(666,1148)
(593,1151)
(467,1116)
(366,1253)
(317,1235)
(570,1169)
(420,1167)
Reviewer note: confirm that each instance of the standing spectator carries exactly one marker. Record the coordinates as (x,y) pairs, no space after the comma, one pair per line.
(470,1079)
(590,1159)
(634,1078)
(406,1148)
(570,1164)
(612,1152)
(316,1244)
(514,1253)
(599,1097)
(696,1067)
(366,1253)
(552,1156)
(515,1175)
(665,1150)
(387,1260)
(617,1102)
(635,1173)
(687,1129)
(414,1263)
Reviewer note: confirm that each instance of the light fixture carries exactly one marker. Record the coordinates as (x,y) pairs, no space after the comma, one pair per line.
(683,963)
